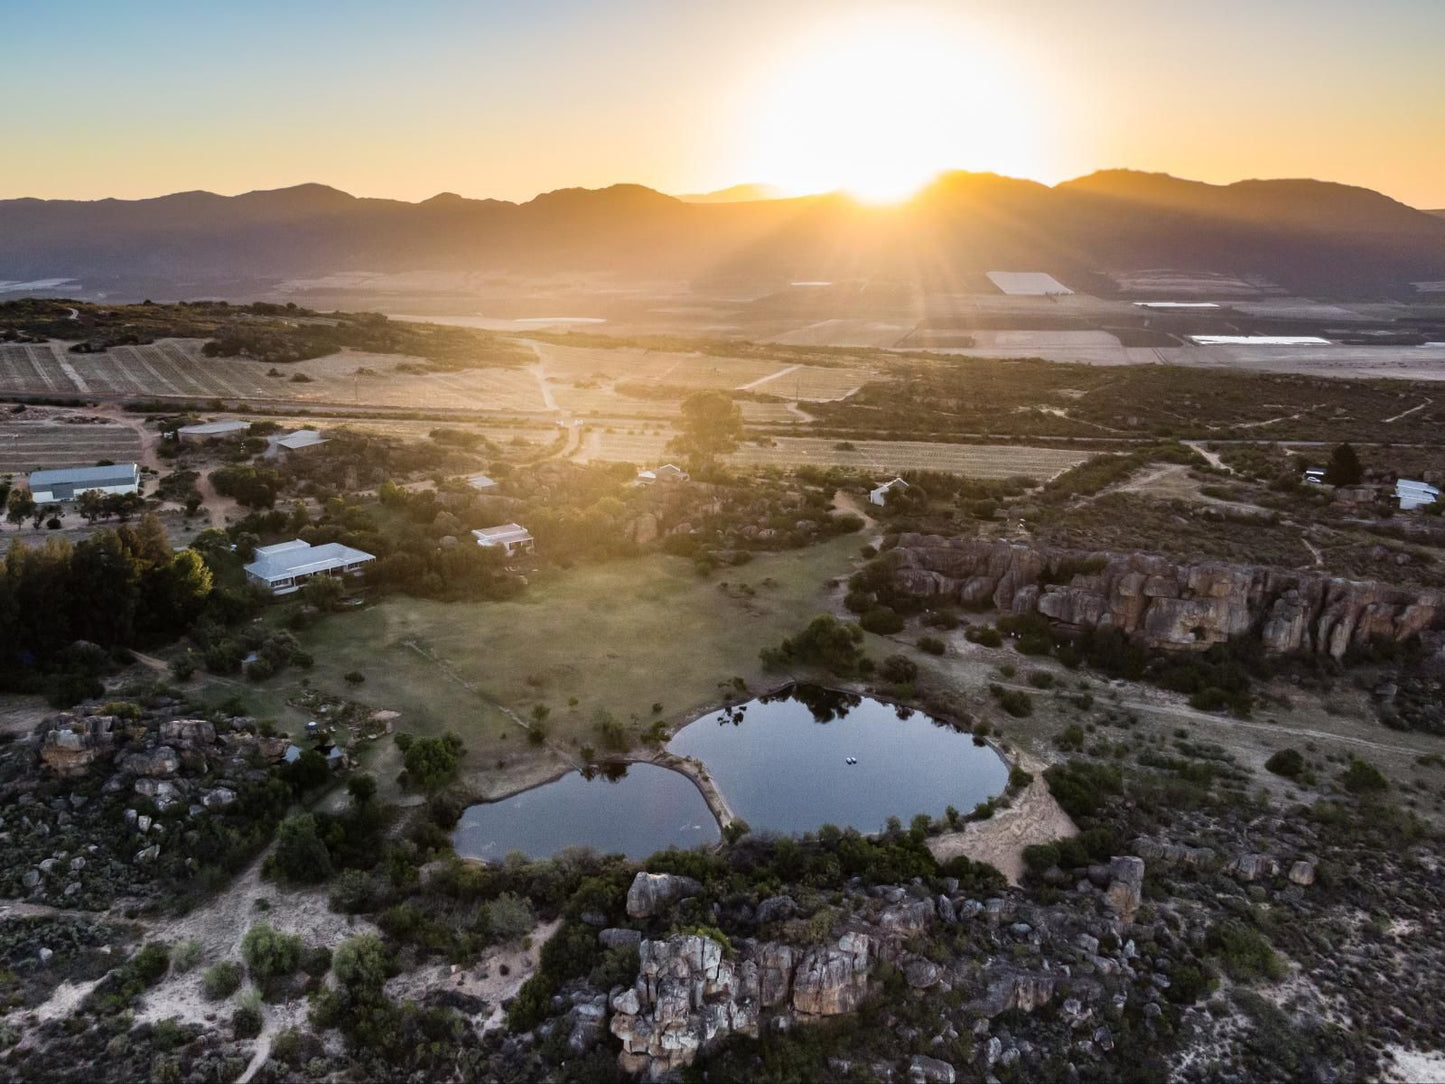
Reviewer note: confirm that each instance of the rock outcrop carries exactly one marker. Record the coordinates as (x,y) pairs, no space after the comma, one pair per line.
(690,993)
(1164,603)
(1126,886)
(70,745)
(651,892)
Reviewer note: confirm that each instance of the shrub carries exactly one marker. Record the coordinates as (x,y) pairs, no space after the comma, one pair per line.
(1041,679)
(1244,953)
(1080,787)
(826,642)
(1362,777)
(186,957)
(221,980)
(898,670)
(432,761)
(984,636)
(882,621)
(1289,763)
(1014,701)
(269,954)
(510,917)
(931,644)
(247,1020)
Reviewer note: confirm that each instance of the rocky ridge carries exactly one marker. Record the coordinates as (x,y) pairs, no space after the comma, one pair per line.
(1163,603)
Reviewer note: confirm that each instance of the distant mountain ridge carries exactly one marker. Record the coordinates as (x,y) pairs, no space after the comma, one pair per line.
(1310,236)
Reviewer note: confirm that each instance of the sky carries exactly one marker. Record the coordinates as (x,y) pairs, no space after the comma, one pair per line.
(481,98)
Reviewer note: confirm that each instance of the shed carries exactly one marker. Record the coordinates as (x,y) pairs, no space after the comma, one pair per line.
(303,440)
(481,483)
(195,434)
(1412,494)
(668,472)
(879,494)
(52,486)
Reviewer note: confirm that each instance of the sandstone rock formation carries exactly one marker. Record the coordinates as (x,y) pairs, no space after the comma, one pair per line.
(1164,603)
(1126,887)
(69,745)
(650,892)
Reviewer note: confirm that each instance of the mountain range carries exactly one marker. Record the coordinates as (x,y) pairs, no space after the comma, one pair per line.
(1307,236)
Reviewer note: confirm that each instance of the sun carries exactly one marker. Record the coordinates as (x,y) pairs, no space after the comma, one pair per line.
(877,109)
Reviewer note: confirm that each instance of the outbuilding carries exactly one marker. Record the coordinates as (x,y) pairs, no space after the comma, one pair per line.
(55,486)
(668,472)
(284,567)
(879,494)
(204,431)
(481,483)
(512,538)
(301,441)
(1413,494)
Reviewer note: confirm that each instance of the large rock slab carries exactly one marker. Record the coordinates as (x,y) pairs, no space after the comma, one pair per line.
(651,892)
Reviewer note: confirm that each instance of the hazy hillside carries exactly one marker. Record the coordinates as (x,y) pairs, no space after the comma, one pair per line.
(1307,235)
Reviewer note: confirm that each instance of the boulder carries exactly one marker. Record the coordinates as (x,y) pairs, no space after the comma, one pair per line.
(907,918)
(1302,873)
(1126,885)
(219,798)
(70,746)
(155,763)
(920,973)
(775,908)
(925,1070)
(651,892)
(1252,867)
(192,732)
(617,937)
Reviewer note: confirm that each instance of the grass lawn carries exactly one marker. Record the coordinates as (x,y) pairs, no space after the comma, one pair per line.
(618,637)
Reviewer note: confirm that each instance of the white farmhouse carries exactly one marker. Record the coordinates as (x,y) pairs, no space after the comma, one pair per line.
(511,538)
(284,567)
(54,486)
(879,494)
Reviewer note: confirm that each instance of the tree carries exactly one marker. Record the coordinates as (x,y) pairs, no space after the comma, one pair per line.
(323,592)
(360,965)
(712,425)
(300,853)
(362,788)
(430,761)
(1344,467)
(19,506)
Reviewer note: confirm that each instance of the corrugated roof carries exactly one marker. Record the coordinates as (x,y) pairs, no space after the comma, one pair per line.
(207,429)
(299,559)
(507,532)
(115,475)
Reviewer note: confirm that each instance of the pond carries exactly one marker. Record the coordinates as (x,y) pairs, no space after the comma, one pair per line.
(810,756)
(632,809)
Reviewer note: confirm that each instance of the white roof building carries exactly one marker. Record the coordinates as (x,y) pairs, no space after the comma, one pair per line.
(284,567)
(879,494)
(212,430)
(481,482)
(51,486)
(1413,494)
(299,441)
(668,472)
(511,537)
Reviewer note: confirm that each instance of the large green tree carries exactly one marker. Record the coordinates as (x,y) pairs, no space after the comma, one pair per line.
(711,425)
(1344,467)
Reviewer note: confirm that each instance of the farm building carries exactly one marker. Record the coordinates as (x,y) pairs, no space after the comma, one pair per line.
(665,473)
(284,567)
(53,486)
(879,494)
(301,441)
(481,483)
(513,538)
(196,434)
(1415,494)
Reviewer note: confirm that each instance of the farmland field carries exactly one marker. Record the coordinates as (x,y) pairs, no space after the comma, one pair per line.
(602,371)
(977,460)
(27,446)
